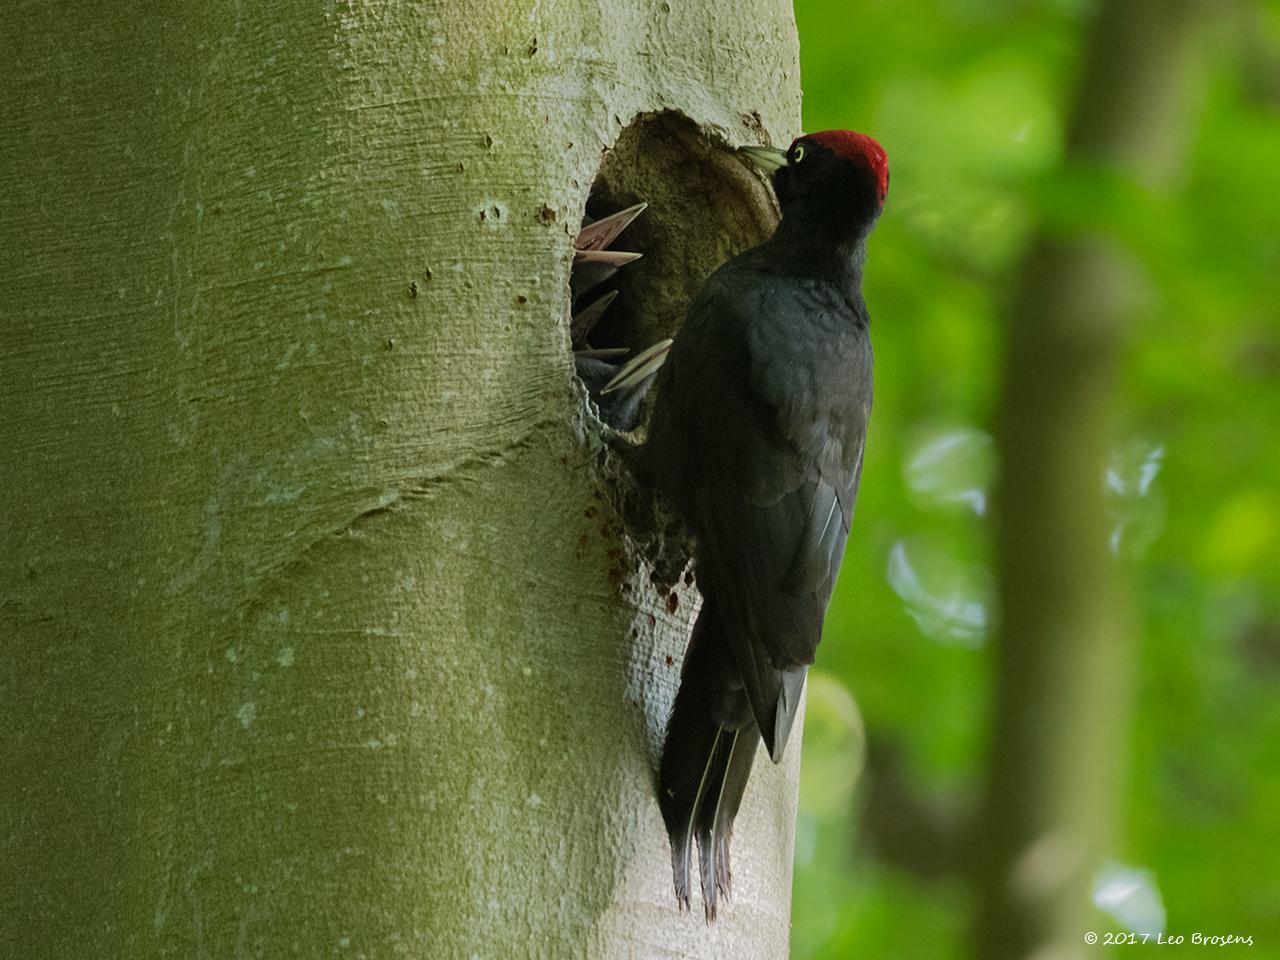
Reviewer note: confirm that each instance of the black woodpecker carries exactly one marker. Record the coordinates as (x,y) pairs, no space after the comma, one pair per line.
(756,439)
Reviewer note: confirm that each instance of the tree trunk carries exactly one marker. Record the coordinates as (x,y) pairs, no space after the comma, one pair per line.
(324,635)
(1060,724)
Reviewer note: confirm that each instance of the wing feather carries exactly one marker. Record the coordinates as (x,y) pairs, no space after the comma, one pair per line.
(778,414)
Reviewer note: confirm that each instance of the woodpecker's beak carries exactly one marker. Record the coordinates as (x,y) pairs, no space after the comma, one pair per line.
(765,159)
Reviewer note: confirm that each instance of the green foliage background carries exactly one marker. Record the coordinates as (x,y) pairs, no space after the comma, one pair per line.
(970,99)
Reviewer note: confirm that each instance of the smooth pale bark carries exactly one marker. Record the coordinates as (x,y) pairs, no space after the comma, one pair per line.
(1062,684)
(321,634)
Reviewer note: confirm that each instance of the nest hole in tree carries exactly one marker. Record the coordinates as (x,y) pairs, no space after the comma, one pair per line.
(704,205)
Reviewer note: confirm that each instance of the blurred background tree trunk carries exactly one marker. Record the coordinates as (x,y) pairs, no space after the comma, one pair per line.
(1063,659)
(322,638)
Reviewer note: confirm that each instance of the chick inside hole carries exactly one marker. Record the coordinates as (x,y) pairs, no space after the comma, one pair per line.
(685,203)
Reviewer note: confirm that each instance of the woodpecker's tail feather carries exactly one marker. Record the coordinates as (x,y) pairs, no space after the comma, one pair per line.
(732,765)
(688,768)
(706,760)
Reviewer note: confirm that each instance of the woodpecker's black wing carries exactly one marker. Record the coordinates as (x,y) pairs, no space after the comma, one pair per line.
(767,392)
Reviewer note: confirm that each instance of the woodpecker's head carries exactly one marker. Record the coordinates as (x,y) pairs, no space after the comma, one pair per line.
(836,175)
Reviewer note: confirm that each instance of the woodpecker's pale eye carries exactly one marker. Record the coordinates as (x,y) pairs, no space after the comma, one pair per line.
(797,153)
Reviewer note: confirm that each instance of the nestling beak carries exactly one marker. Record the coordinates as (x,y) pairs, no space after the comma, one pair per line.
(766,159)
(640,368)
